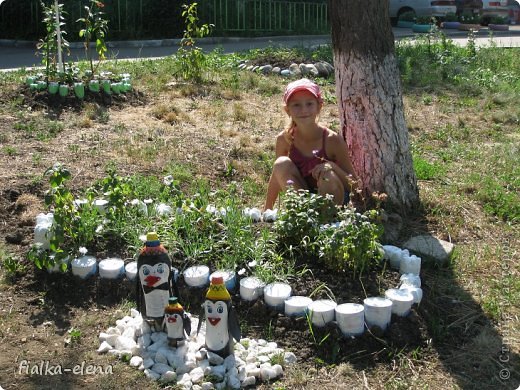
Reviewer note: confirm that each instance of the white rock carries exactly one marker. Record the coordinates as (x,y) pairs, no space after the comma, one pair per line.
(104,347)
(129,332)
(113,330)
(103,336)
(278,369)
(136,361)
(111,339)
(289,358)
(197,375)
(270,215)
(251,358)
(242,373)
(196,387)
(249,381)
(262,342)
(151,374)
(135,313)
(161,368)
(253,371)
(214,358)
(169,376)
(267,373)
(263,358)
(125,343)
(207,386)
(200,355)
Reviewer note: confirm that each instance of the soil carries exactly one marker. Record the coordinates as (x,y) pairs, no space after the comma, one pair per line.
(38,309)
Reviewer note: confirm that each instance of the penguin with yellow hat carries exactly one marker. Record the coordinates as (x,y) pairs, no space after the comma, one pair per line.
(221,320)
(154,281)
(176,321)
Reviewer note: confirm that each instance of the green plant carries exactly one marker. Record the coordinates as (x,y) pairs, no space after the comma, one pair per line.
(94,27)
(298,225)
(10,264)
(498,20)
(53,41)
(351,244)
(192,59)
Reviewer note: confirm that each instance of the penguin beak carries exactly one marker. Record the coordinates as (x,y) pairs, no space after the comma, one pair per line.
(172,319)
(213,320)
(151,280)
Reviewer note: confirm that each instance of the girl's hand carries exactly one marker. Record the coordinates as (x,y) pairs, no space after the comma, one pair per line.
(319,171)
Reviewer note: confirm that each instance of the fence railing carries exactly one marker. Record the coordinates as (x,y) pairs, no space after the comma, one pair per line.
(159,19)
(267,16)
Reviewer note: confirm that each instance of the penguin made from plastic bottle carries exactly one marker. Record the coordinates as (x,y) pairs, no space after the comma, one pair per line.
(221,320)
(177,322)
(154,282)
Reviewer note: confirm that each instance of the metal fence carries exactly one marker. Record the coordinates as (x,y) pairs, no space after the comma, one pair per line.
(266,16)
(159,19)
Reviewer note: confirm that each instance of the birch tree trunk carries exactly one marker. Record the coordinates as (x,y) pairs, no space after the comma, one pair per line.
(370,100)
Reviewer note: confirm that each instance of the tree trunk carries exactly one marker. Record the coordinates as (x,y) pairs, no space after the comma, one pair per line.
(370,100)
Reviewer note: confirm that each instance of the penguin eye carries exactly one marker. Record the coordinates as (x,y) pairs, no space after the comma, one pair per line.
(146,271)
(220,309)
(160,269)
(209,309)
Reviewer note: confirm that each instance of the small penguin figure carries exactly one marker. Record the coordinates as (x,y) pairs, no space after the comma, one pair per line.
(176,321)
(221,320)
(154,282)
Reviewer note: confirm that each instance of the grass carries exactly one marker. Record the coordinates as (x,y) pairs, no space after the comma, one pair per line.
(462,111)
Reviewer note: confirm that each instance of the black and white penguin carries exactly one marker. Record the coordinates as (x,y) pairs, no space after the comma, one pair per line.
(154,282)
(221,320)
(177,322)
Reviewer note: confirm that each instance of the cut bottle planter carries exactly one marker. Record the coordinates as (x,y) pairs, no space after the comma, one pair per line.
(498,27)
(111,268)
(275,295)
(405,24)
(451,25)
(468,27)
(322,312)
(131,270)
(229,278)
(297,306)
(378,312)
(64,90)
(402,301)
(53,87)
(84,266)
(350,318)
(251,288)
(197,276)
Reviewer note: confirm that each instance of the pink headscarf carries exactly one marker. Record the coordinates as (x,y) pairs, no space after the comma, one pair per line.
(302,85)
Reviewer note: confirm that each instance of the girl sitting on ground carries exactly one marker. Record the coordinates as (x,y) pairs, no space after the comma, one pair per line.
(309,156)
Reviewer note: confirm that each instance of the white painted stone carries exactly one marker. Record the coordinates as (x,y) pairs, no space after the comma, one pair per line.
(267,373)
(113,330)
(278,369)
(249,381)
(129,332)
(134,313)
(169,376)
(207,386)
(196,387)
(104,347)
(136,361)
(125,343)
(197,375)
(242,373)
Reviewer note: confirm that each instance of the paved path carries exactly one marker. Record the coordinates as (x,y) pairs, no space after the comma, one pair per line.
(17,54)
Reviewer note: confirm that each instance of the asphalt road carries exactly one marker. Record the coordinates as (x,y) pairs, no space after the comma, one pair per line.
(18,54)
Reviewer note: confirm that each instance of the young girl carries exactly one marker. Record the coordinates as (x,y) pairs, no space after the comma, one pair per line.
(309,156)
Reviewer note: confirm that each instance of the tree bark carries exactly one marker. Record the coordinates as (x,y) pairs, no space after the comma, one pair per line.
(369,95)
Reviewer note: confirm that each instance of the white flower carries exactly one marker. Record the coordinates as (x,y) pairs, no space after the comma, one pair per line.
(252,263)
(241,272)
(99,229)
(148,201)
(83,250)
(168,180)
(142,237)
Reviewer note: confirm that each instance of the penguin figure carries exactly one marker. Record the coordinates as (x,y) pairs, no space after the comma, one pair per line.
(154,282)
(176,321)
(221,320)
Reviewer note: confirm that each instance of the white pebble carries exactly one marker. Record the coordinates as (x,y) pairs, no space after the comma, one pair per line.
(197,375)
(169,376)
(134,313)
(104,347)
(136,361)
(289,358)
(278,369)
(125,343)
(207,386)
(267,373)
(249,381)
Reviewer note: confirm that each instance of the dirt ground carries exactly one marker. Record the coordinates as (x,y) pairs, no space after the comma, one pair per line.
(38,309)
